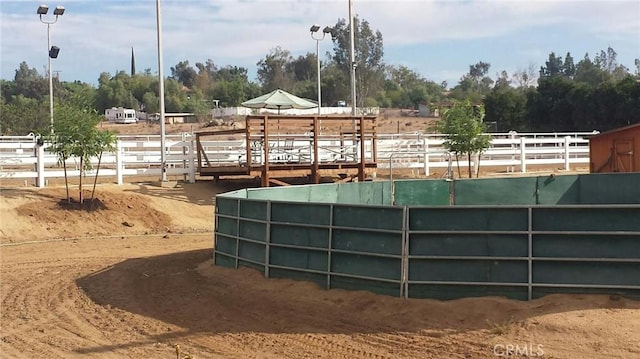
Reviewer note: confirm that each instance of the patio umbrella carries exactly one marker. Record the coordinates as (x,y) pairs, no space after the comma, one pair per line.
(279,99)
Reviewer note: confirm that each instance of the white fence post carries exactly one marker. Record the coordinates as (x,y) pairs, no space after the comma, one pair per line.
(567,143)
(512,136)
(426,156)
(192,163)
(119,163)
(40,166)
(523,157)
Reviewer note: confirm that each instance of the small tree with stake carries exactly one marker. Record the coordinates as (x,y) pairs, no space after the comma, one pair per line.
(76,135)
(464,131)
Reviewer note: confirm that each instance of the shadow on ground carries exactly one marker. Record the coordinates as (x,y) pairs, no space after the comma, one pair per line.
(185,289)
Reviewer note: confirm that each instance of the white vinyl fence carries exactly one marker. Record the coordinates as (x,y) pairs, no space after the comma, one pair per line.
(22,158)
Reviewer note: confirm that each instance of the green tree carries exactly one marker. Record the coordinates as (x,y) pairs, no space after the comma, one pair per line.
(550,107)
(28,83)
(568,67)
(23,115)
(405,88)
(369,57)
(76,135)
(274,70)
(115,92)
(590,73)
(475,84)
(184,73)
(506,106)
(553,66)
(464,131)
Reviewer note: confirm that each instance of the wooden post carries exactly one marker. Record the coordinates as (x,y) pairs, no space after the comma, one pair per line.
(362,154)
(316,160)
(265,145)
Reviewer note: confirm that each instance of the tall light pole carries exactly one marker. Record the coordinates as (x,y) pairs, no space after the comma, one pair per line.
(161,88)
(353,62)
(327,30)
(53,51)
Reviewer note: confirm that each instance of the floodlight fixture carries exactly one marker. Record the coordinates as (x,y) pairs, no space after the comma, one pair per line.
(42,10)
(327,30)
(314,28)
(54,51)
(58,11)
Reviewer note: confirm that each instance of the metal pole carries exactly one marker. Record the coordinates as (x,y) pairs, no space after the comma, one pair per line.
(161,88)
(353,63)
(318,58)
(353,79)
(50,76)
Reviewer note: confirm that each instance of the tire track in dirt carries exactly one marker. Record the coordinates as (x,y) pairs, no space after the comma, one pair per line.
(46,314)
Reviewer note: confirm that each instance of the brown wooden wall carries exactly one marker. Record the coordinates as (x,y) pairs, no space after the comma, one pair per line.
(616,151)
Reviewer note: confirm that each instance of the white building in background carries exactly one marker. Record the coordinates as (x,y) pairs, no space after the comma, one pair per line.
(121,115)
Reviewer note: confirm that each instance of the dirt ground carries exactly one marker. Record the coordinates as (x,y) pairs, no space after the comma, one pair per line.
(134,279)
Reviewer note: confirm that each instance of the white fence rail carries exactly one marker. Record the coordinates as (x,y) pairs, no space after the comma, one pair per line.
(22,158)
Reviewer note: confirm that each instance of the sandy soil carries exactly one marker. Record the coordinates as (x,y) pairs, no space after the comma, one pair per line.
(134,279)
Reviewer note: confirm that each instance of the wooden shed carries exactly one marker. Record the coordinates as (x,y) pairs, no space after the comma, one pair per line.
(615,150)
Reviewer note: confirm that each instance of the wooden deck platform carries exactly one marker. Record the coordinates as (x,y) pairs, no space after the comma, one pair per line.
(293,145)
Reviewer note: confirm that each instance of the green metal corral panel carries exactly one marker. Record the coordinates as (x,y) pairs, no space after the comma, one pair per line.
(586,219)
(225,244)
(421,192)
(375,193)
(461,219)
(558,189)
(349,193)
(253,209)
(495,191)
(258,267)
(448,292)
(323,193)
(227,226)
(303,213)
(366,266)
(370,242)
(300,236)
(468,270)
(610,188)
(228,206)
(367,217)
(451,244)
(253,230)
(586,246)
(290,193)
(587,273)
(251,251)
(298,258)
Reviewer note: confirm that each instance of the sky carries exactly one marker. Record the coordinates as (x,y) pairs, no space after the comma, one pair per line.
(437,39)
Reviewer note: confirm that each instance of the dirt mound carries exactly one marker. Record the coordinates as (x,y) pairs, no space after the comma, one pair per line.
(109,213)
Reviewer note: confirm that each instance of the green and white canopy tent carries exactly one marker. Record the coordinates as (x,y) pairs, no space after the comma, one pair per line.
(279,100)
